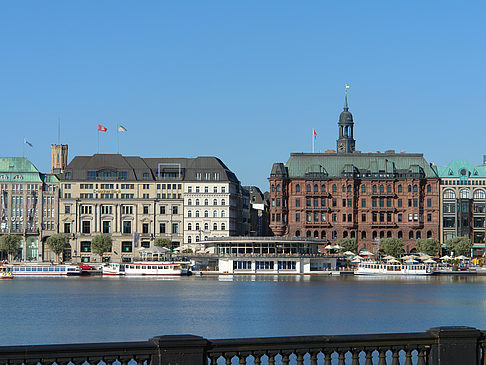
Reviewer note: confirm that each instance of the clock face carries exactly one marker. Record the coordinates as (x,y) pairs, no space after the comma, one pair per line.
(341,146)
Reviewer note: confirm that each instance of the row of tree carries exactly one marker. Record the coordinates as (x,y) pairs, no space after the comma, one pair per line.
(430,246)
(100,244)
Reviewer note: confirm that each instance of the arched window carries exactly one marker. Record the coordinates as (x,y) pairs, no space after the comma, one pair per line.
(206,213)
(223,214)
(343,188)
(418,235)
(479,194)
(382,189)
(308,234)
(382,234)
(464,194)
(297,188)
(400,188)
(197,213)
(415,188)
(198,227)
(323,235)
(273,187)
(352,234)
(388,189)
(215,213)
(197,201)
(429,234)
(189,239)
(215,201)
(345,234)
(400,234)
(410,235)
(363,235)
(223,202)
(323,188)
(278,188)
(206,226)
(205,238)
(374,235)
(449,194)
(223,226)
(410,188)
(297,233)
(206,201)
(363,188)
(429,188)
(189,213)
(388,234)
(215,226)
(316,188)
(316,234)
(197,238)
(374,188)
(189,226)
(334,235)
(350,188)
(308,188)
(334,188)
(189,201)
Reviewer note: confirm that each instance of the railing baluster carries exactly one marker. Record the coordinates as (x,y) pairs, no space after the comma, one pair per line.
(214,359)
(369,357)
(342,358)
(355,357)
(421,357)
(285,358)
(271,358)
(382,356)
(327,357)
(395,358)
(300,357)
(408,357)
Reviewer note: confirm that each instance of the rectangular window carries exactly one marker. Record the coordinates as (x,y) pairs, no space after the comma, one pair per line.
(399,203)
(162,228)
(316,202)
(86,227)
(429,217)
(278,217)
(127,227)
(175,209)
(145,209)
(344,202)
(399,217)
(308,217)
(85,246)
(350,202)
(106,226)
(373,202)
(308,202)
(334,202)
(67,227)
(67,209)
(388,202)
(297,202)
(363,217)
(162,209)
(374,217)
(145,228)
(415,203)
(429,203)
(297,217)
(323,202)
(334,217)
(278,202)
(363,203)
(175,227)
(126,246)
(344,217)
(382,202)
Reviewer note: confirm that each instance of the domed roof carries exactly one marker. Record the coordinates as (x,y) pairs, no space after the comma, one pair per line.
(346,117)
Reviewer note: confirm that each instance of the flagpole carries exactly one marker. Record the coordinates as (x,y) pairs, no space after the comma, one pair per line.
(117,151)
(23,143)
(313,139)
(98,145)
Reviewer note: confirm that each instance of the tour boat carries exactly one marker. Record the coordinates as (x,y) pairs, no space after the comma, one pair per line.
(148,268)
(44,269)
(5,273)
(378,268)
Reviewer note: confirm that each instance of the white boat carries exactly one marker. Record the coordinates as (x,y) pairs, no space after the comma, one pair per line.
(148,268)
(379,268)
(44,269)
(5,273)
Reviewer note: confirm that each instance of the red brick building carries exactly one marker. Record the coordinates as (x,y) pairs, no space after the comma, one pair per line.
(366,196)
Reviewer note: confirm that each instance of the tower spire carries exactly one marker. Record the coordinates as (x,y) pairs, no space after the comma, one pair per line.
(346,87)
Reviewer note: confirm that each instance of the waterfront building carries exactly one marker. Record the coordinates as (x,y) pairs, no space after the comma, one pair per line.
(463,203)
(258,212)
(137,200)
(345,193)
(269,255)
(29,206)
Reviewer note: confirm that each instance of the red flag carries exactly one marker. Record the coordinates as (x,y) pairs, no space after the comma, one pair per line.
(315,134)
(101,128)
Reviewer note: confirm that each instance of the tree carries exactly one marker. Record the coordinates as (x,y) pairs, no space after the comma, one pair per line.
(431,246)
(392,246)
(460,246)
(163,242)
(349,244)
(10,243)
(58,243)
(100,244)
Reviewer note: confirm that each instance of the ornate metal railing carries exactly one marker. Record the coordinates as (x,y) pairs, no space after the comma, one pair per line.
(437,346)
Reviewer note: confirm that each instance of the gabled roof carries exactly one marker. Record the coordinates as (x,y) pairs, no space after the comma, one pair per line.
(461,169)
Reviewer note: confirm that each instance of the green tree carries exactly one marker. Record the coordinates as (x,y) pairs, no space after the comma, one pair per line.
(10,243)
(460,246)
(58,243)
(431,246)
(100,244)
(349,244)
(163,242)
(392,246)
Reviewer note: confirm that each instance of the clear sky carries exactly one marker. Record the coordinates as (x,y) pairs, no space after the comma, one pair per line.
(246,81)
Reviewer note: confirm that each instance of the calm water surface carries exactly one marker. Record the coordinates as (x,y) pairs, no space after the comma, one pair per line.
(93,309)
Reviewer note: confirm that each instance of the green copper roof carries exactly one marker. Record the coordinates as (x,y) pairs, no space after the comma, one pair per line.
(461,169)
(18,169)
(359,165)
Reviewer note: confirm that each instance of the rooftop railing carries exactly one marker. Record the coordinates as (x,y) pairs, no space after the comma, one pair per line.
(437,346)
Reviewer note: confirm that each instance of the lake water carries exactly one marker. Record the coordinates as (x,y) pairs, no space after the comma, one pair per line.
(96,309)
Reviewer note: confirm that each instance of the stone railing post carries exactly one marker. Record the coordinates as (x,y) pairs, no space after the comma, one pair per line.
(455,345)
(180,350)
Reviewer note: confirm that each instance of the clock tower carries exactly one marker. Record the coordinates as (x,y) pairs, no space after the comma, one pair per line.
(346,142)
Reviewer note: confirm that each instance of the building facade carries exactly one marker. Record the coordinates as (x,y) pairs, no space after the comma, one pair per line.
(136,200)
(463,203)
(29,206)
(365,196)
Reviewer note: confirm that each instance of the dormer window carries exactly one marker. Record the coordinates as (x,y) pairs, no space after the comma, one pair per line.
(18,177)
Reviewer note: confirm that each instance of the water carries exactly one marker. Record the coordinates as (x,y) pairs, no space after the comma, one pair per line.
(96,309)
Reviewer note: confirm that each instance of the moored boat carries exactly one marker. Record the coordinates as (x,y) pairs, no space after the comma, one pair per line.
(5,273)
(155,268)
(41,269)
(380,268)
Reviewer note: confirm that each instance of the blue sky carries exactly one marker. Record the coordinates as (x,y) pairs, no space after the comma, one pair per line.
(245,81)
